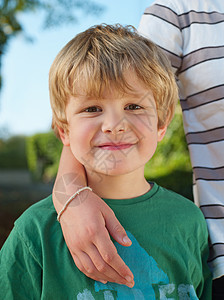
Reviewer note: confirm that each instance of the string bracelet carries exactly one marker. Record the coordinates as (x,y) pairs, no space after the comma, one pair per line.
(70,200)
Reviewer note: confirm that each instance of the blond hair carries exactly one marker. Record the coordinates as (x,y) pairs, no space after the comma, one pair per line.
(99,57)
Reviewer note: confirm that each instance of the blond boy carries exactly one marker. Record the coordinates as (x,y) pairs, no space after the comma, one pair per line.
(113,95)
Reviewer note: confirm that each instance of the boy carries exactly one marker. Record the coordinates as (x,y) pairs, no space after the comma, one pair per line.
(112,94)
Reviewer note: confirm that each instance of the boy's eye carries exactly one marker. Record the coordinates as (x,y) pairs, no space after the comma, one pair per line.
(93,109)
(133,107)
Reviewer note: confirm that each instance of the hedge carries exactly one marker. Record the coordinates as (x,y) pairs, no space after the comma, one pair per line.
(43,154)
(13,153)
(170,165)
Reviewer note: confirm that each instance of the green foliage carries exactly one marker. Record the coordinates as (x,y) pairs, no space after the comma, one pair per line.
(171,166)
(13,153)
(57,12)
(43,154)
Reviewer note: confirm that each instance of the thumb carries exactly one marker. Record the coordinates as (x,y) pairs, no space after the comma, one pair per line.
(115,229)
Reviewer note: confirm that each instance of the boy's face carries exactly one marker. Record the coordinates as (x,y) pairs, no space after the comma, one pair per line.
(114,135)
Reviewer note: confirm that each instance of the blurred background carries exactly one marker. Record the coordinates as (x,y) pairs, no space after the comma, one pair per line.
(31,34)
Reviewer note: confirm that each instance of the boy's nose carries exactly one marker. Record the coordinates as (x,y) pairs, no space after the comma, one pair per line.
(114,124)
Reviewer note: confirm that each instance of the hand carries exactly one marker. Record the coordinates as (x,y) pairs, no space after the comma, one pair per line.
(86,229)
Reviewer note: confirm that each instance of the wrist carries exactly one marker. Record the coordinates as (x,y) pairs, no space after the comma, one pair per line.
(72,198)
(65,186)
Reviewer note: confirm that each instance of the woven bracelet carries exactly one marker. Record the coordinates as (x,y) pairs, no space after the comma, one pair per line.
(70,200)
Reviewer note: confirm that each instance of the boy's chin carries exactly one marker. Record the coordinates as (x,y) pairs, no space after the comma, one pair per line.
(115,171)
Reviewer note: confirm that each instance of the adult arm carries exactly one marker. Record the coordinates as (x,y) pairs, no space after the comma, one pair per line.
(86,225)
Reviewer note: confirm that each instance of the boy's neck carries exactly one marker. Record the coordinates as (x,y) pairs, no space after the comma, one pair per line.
(119,187)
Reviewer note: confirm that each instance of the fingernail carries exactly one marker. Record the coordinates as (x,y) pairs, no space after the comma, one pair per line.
(130,285)
(103,281)
(129,278)
(126,240)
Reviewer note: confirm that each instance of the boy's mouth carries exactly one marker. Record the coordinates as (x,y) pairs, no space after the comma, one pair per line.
(112,146)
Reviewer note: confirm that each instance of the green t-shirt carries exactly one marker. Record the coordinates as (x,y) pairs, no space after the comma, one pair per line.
(167,257)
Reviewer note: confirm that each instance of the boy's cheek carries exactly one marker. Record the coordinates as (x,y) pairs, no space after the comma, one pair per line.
(144,122)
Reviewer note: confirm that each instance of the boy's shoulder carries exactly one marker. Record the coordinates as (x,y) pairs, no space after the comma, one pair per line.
(40,211)
(172,195)
(181,204)
(181,212)
(34,229)
(37,220)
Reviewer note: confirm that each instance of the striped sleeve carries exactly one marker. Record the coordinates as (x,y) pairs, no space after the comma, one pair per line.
(191,34)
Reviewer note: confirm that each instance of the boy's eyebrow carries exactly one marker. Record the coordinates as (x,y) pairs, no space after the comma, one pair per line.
(126,95)
(143,98)
(83,97)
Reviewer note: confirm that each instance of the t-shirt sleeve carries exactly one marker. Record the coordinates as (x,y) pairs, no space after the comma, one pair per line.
(206,286)
(207,278)
(160,23)
(20,271)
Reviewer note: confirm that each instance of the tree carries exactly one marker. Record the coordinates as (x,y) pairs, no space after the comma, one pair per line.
(56,13)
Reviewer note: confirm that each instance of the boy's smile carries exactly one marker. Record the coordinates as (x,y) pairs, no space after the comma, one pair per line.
(115,146)
(115,135)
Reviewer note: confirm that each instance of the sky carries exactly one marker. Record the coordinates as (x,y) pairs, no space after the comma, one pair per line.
(24,98)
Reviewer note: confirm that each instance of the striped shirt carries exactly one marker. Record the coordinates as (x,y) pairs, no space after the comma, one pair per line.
(192,35)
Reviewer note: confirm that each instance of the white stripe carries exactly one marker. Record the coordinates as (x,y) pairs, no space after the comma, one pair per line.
(204,117)
(196,84)
(213,36)
(201,155)
(217,267)
(216,234)
(209,192)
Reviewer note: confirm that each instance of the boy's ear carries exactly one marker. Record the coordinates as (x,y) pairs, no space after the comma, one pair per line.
(161,133)
(64,136)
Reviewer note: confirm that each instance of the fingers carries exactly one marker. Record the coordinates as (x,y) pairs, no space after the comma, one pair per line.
(115,229)
(102,272)
(108,252)
(100,238)
(93,275)
(104,267)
